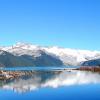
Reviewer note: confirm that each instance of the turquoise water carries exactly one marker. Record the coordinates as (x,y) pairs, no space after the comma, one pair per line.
(37,68)
(52,85)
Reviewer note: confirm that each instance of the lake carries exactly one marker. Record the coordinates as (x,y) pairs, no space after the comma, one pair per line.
(51,84)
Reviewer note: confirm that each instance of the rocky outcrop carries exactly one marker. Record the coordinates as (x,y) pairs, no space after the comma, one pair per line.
(4,75)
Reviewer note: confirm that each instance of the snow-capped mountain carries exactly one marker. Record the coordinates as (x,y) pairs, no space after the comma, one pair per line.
(53,55)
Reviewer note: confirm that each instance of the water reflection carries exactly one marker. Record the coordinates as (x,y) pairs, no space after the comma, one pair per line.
(38,79)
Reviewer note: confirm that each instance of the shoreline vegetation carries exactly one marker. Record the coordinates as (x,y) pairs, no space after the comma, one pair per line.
(6,74)
(89,68)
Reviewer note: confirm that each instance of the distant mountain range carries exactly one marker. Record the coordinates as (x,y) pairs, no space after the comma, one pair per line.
(24,54)
(95,62)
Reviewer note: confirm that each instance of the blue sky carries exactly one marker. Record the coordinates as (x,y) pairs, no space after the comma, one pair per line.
(65,23)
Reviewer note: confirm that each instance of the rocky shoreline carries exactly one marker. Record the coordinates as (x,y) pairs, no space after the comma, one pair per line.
(6,75)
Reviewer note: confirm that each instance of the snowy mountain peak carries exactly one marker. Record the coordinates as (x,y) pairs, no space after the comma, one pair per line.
(25,45)
(66,55)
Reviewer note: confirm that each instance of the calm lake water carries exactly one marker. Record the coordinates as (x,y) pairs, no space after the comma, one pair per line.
(52,84)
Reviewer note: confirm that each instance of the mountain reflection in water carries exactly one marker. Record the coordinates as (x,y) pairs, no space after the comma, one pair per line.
(54,79)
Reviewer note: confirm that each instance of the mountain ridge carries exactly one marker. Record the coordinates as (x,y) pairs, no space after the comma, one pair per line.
(49,56)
